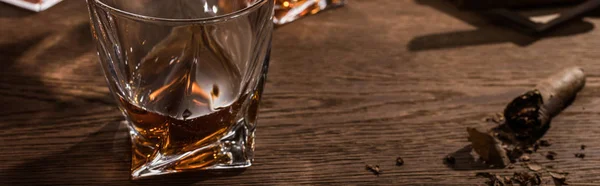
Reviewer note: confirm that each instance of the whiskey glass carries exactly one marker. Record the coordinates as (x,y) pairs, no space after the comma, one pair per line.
(188,75)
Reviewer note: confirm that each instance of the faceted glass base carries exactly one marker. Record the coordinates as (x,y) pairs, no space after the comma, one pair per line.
(233,150)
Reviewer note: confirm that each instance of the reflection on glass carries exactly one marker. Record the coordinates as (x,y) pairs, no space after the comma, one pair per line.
(289,10)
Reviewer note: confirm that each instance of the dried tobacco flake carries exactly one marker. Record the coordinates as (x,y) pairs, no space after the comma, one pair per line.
(545,143)
(399,161)
(529,150)
(534,166)
(551,155)
(374,169)
(507,180)
(496,181)
(524,178)
(498,118)
(525,158)
(537,179)
(559,175)
(484,174)
(488,147)
(559,178)
(493,179)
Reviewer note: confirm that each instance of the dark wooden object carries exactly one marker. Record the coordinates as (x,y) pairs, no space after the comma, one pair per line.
(358,85)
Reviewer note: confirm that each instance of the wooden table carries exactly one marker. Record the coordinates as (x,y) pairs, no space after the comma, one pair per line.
(359,85)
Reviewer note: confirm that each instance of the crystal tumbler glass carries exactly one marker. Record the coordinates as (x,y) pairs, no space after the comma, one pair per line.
(188,75)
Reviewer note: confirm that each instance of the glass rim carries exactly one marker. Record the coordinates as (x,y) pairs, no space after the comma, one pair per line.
(219,18)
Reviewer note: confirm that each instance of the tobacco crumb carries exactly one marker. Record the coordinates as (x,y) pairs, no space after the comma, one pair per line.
(497,181)
(501,180)
(493,179)
(450,160)
(580,155)
(507,180)
(529,150)
(525,158)
(559,178)
(558,175)
(498,118)
(511,167)
(560,182)
(544,143)
(583,147)
(537,179)
(513,154)
(551,155)
(534,166)
(399,161)
(374,169)
(524,178)
(483,174)
(521,177)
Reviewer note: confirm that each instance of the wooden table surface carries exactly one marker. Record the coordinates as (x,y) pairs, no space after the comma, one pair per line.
(358,85)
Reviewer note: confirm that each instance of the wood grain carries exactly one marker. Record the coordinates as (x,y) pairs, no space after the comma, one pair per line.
(358,85)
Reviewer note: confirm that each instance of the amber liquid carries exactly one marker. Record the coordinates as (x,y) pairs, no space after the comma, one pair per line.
(171,136)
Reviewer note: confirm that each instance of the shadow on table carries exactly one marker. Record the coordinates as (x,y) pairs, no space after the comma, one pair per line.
(465,161)
(47,49)
(485,32)
(42,65)
(103,158)
(92,156)
(26,63)
(11,52)
(10,11)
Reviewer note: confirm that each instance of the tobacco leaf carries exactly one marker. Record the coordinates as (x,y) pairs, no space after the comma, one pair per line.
(488,148)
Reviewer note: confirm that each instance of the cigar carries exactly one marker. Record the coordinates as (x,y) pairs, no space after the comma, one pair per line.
(493,4)
(528,117)
(530,114)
